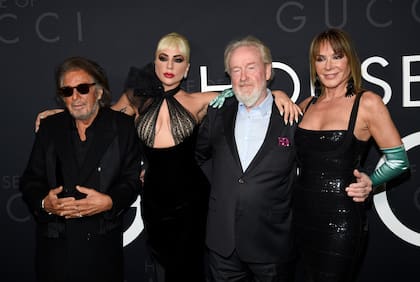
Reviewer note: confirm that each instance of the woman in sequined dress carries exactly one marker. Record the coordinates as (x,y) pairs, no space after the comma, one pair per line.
(331,140)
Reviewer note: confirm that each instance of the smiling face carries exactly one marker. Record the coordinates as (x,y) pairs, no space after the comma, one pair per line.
(81,106)
(171,66)
(332,68)
(249,75)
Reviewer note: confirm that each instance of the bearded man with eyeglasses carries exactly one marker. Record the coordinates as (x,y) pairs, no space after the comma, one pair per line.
(82,175)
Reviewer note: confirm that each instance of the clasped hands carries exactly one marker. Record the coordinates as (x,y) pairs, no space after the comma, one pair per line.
(69,207)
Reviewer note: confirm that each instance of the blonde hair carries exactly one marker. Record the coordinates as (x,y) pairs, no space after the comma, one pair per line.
(174,40)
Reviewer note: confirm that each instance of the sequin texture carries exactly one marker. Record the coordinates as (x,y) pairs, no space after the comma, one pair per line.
(330,226)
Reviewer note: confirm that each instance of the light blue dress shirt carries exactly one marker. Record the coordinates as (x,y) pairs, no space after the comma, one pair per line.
(250,129)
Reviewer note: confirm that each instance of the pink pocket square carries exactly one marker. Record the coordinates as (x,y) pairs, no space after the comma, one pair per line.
(283,141)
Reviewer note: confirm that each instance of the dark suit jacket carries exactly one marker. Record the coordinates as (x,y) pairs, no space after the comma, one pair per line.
(248,211)
(111,166)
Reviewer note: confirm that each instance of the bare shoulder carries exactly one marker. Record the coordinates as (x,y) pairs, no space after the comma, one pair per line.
(376,121)
(204,96)
(196,102)
(193,99)
(278,92)
(373,111)
(371,102)
(371,97)
(304,103)
(201,99)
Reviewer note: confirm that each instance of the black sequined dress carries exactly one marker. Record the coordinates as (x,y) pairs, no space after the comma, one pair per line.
(174,195)
(330,226)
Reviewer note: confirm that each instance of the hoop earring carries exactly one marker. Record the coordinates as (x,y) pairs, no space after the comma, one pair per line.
(350,87)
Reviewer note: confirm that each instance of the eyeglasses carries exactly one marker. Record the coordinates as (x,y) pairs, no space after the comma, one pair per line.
(82,88)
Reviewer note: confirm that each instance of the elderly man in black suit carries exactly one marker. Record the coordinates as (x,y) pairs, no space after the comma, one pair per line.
(252,167)
(82,174)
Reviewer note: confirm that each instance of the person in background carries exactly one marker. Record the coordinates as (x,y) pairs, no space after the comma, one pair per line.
(174,196)
(331,141)
(81,177)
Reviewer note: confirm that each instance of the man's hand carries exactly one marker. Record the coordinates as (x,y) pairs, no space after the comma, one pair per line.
(361,189)
(94,202)
(55,205)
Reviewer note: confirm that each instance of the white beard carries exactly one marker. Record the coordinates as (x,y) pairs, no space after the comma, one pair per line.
(249,100)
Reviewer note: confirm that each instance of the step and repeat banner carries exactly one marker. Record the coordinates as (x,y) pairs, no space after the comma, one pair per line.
(35,35)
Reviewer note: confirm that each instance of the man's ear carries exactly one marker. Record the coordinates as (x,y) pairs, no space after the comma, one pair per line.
(268,72)
(99,93)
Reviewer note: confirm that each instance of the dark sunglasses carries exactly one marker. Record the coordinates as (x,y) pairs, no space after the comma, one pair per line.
(82,88)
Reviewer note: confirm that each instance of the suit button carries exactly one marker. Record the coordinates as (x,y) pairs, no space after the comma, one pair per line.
(241,181)
(88,236)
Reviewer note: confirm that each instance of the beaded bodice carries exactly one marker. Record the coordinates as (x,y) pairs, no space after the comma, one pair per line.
(181,121)
(148,93)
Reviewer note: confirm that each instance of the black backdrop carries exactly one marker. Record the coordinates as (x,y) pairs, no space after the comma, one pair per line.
(35,35)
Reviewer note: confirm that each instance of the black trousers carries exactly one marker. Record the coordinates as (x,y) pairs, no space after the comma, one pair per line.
(234,269)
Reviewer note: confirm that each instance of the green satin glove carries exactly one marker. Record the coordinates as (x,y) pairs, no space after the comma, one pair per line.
(396,162)
(220,99)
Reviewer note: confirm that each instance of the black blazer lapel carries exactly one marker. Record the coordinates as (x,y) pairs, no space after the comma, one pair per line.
(229,119)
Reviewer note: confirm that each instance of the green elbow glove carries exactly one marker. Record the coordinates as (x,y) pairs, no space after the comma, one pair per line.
(396,162)
(220,99)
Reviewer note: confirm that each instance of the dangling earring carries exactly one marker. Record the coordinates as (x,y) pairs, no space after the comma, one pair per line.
(317,86)
(350,87)
(186,71)
(317,90)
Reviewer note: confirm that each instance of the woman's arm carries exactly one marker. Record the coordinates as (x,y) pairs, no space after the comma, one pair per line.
(378,122)
(289,110)
(380,126)
(125,105)
(45,114)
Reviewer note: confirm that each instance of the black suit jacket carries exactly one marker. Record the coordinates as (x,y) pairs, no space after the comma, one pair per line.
(249,211)
(111,166)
